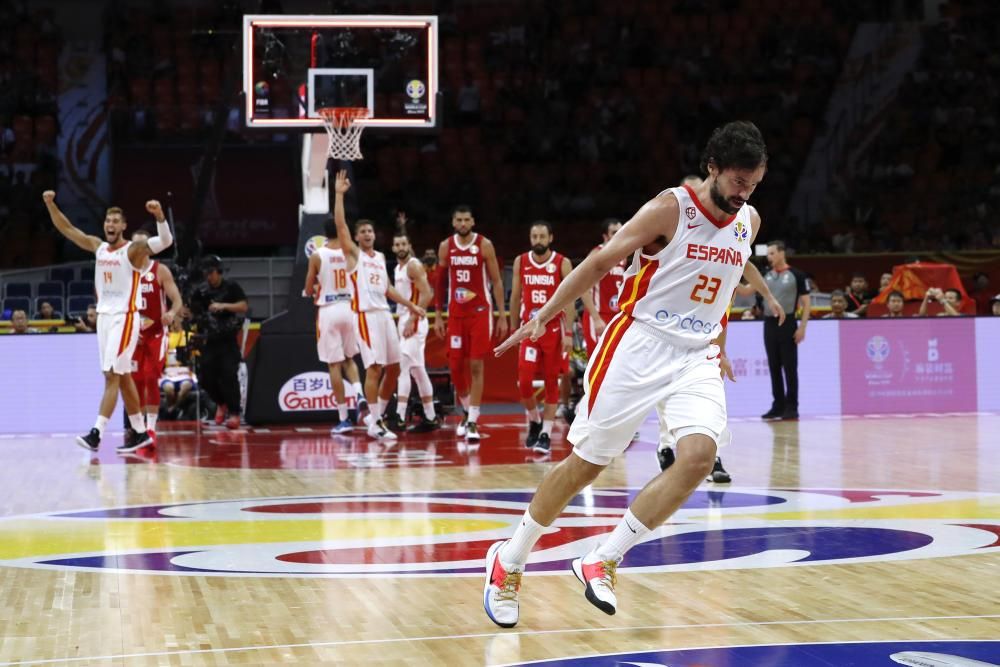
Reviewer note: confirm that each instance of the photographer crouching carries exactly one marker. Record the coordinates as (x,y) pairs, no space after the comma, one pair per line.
(218,307)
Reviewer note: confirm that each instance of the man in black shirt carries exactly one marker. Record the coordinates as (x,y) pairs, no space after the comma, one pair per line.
(218,306)
(791,287)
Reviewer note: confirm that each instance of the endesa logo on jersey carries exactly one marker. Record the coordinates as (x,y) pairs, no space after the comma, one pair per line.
(686,322)
(308,392)
(712,254)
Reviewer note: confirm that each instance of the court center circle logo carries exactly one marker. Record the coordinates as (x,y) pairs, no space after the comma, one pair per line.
(447,533)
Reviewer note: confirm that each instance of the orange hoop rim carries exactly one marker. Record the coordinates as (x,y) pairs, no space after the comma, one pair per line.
(342,114)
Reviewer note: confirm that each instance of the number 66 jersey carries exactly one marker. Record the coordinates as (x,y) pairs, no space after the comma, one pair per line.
(684,290)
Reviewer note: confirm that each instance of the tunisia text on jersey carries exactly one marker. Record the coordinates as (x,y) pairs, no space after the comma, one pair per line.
(466,277)
(116,281)
(538,284)
(685,289)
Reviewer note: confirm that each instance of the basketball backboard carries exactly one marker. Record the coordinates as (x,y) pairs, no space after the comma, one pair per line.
(294,65)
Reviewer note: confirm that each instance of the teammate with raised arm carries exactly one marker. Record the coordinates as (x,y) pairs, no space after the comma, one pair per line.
(336,341)
(377,337)
(537,275)
(119,264)
(689,249)
(156,286)
(466,260)
(411,282)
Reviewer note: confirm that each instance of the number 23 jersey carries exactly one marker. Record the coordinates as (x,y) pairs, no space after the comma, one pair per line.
(684,290)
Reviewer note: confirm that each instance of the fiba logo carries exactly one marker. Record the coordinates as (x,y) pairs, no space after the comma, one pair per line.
(415,90)
(877,349)
(312,244)
(551,268)
(740,231)
(690,212)
(474,250)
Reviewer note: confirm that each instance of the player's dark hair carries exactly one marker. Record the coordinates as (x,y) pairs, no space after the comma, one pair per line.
(461,208)
(895,292)
(957,293)
(777,243)
(330,228)
(838,292)
(858,274)
(402,235)
(607,223)
(141,232)
(736,145)
(542,223)
(363,222)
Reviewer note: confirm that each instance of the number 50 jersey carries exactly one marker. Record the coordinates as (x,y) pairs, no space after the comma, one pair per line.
(685,289)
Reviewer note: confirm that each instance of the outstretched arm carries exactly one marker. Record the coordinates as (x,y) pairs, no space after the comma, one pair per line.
(394,294)
(342,185)
(140,251)
(66,228)
(496,282)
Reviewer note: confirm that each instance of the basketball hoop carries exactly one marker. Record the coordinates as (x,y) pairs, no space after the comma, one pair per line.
(344,131)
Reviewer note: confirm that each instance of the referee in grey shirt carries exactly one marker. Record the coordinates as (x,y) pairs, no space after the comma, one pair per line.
(791,287)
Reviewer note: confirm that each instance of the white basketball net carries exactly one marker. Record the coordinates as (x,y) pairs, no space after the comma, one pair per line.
(344,132)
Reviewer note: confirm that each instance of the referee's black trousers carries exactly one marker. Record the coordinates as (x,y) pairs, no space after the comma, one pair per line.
(782,355)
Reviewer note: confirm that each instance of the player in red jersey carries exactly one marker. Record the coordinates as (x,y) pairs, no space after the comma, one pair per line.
(466,258)
(537,274)
(150,354)
(600,303)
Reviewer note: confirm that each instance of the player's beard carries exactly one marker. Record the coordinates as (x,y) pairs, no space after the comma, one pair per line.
(402,256)
(539,249)
(720,201)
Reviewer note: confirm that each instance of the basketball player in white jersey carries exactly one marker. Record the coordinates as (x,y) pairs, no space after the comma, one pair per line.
(377,337)
(689,248)
(116,281)
(411,282)
(327,281)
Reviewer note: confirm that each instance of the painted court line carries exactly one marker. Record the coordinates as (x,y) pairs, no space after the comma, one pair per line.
(634,628)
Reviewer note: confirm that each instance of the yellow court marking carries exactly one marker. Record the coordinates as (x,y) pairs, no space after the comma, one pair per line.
(972,508)
(23,538)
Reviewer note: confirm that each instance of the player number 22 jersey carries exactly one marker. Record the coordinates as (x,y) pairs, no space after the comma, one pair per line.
(685,289)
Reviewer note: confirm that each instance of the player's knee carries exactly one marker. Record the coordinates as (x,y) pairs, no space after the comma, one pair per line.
(696,454)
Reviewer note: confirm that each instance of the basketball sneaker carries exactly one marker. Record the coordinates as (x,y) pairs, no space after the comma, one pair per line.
(534,430)
(378,430)
(394,422)
(362,403)
(719,474)
(460,430)
(599,577)
(472,433)
(501,590)
(543,445)
(426,425)
(665,457)
(343,427)
(134,440)
(220,415)
(90,441)
(772,414)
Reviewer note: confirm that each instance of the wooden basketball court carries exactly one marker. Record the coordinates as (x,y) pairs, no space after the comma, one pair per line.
(286,546)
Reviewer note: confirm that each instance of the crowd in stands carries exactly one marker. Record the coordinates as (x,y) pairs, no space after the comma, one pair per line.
(29,53)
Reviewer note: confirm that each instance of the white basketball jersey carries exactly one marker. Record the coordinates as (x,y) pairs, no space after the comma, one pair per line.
(332,277)
(685,289)
(406,287)
(370,280)
(116,281)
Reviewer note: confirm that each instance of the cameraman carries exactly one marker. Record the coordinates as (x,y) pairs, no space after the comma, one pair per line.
(218,307)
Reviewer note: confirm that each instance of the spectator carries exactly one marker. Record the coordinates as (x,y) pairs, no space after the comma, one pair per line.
(950,299)
(895,304)
(19,323)
(884,281)
(857,295)
(995,306)
(981,293)
(47,312)
(178,381)
(751,313)
(87,323)
(839,307)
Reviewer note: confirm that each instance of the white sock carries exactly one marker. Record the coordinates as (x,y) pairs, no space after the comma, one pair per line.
(381,408)
(547,427)
(533,414)
(151,421)
(464,400)
(100,424)
(626,535)
(358,391)
(515,552)
(429,409)
(401,409)
(474,413)
(342,411)
(137,422)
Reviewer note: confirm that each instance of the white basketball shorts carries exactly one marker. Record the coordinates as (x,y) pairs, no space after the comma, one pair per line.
(336,339)
(377,338)
(117,336)
(412,348)
(635,370)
